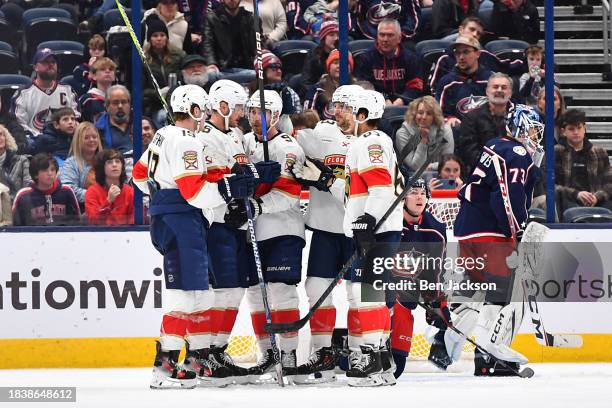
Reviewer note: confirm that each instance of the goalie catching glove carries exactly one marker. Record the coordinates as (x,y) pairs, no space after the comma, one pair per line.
(314,174)
(236,214)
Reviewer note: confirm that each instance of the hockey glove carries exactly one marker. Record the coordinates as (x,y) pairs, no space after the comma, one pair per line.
(314,174)
(269,171)
(236,186)
(439,315)
(363,233)
(236,215)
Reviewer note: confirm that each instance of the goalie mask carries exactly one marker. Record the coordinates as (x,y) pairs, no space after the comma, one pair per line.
(185,97)
(524,124)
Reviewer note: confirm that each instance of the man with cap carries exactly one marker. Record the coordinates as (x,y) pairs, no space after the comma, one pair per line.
(460,91)
(33,105)
(314,64)
(393,69)
(193,70)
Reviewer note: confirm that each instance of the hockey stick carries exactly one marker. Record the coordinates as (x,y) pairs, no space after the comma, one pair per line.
(527,280)
(260,79)
(264,293)
(524,373)
(128,24)
(298,324)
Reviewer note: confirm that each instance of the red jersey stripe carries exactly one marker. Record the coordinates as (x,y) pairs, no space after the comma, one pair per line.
(190,185)
(140,171)
(376,176)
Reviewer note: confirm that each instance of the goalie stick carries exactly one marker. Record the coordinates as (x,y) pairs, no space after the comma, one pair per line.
(524,373)
(298,324)
(533,233)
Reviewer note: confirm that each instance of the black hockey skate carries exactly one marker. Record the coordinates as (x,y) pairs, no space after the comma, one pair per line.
(365,368)
(388,365)
(484,366)
(208,368)
(438,355)
(168,374)
(264,366)
(239,374)
(319,368)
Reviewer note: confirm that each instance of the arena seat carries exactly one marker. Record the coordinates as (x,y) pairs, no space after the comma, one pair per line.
(587,215)
(507,49)
(292,53)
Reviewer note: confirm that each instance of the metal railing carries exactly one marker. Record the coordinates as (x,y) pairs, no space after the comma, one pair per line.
(607,39)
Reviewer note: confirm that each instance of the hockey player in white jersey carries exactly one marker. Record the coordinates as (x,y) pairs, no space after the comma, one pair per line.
(231,260)
(279,228)
(329,248)
(373,182)
(173,171)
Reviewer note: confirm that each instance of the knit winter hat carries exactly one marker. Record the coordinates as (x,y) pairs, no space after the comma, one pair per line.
(155,25)
(268,58)
(328,27)
(334,56)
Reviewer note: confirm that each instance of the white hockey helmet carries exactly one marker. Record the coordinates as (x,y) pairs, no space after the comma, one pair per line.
(227,91)
(185,97)
(344,92)
(372,101)
(273,103)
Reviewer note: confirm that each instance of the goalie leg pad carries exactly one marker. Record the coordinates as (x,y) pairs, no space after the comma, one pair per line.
(496,328)
(465,316)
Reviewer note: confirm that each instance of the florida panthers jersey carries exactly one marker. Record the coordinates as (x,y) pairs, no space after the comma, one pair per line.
(482,211)
(221,151)
(281,213)
(328,144)
(374,181)
(175,160)
(32,106)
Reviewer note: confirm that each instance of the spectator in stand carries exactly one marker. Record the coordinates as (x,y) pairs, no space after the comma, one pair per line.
(148,131)
(319,96)
(82,78)
(582,171)
(370,13)
(559,109)
(14,167)
(229,41)
(33,105)
(473,27)
(456,90)
(6,213)
(77,171)
(102,75)
(177,28)
(297,27)
(487,121)
(532,81)
(422,132)
(163,59)
(273,79)
(392,68)
(273,20)
(450,167)
(110,200)
(46,201)
(114,124)
(57,135)
(314,64)
(516,19)
(446,15)
(193,71)
(10,122)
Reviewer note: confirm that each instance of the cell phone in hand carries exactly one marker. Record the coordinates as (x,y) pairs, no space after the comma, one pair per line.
(447,184)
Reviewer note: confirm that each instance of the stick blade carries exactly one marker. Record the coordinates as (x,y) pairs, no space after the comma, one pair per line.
(278,328)
(526,373)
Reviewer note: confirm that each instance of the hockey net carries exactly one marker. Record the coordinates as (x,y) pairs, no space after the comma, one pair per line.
(444,205)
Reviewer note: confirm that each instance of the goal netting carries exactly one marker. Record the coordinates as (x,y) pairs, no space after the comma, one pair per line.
(444,205)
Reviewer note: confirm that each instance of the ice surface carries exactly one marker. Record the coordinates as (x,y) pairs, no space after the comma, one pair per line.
(554,385)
